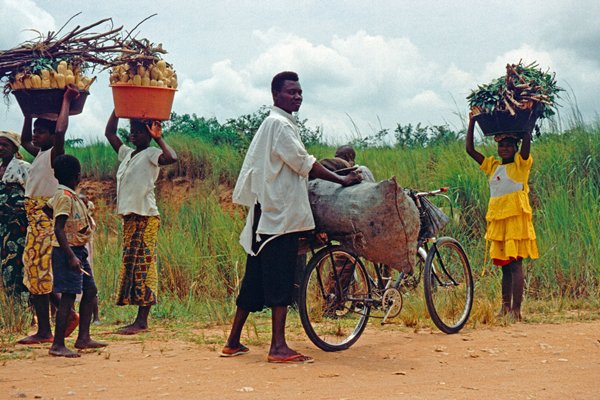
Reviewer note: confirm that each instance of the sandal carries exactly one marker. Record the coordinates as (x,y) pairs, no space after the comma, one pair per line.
(293,359)
(234,351)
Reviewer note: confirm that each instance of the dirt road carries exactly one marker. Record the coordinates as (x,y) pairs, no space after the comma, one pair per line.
(522,361)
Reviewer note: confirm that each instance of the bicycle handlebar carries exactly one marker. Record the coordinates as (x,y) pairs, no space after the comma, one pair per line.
(432,192)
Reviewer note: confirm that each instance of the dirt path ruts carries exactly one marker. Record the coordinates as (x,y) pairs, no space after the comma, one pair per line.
(522,361)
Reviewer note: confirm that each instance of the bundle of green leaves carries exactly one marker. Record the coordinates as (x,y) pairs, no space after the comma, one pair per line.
(522,88)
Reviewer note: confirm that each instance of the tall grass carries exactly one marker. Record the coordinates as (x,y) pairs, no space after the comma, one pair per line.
(201,262)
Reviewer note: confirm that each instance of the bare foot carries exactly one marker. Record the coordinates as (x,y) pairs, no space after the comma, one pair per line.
(132,329)
(62,351)
(36,339)
(516,316)
(504,311)
(89,344)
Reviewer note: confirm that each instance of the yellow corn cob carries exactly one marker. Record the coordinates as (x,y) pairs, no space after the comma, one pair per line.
(36,81)
(18,82)
(137,80)
(69,79)
(27,82)
(153,82)
(45,83)
(45,74)
(145,80)
(161,64)
(62,67)
(156,74)
(60,80)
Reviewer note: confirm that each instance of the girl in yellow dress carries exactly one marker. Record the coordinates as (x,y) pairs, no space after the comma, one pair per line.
(509,218)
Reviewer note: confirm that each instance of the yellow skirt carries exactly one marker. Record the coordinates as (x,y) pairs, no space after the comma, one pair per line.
(511,238)
(37,255)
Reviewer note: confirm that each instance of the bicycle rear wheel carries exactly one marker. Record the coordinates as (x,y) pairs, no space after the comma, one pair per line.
(448,285)
(335,298)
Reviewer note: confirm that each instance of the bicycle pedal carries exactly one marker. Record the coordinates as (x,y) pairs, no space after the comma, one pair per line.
(392,303)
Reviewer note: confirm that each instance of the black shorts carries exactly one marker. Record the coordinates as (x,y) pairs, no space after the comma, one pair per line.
(269,277)
(66,279)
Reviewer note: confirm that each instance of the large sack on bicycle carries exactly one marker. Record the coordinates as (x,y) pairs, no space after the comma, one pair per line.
(378,221)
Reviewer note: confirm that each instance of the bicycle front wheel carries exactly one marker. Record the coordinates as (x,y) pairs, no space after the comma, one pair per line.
(448,285)
(335,298)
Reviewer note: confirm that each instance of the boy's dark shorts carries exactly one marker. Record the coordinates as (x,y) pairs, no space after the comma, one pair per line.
(269,277)
(67,279)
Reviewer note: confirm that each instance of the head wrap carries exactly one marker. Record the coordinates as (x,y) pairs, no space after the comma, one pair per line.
(12,136)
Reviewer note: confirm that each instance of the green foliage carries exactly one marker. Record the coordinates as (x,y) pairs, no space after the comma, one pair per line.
(235,132)
(522,83)
(201,262)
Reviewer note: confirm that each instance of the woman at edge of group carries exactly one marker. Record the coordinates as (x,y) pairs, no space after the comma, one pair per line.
(13,219)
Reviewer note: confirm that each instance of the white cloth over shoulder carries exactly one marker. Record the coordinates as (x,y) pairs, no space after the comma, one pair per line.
(136,178)
(275,174)
(17,171)
(41,181)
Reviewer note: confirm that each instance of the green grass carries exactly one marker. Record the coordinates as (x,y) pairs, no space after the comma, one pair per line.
(201,262)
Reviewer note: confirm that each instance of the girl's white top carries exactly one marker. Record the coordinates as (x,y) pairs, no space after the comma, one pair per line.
(136,177)
(41,181)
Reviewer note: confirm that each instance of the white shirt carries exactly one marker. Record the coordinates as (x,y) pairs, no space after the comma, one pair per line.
(136,177)
(275,174)
(41,181)
(17,171)
(501,183)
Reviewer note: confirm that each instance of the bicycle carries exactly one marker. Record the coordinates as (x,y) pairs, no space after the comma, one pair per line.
(337,292)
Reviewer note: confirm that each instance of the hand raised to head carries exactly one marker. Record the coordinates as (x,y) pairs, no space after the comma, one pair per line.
(155,129)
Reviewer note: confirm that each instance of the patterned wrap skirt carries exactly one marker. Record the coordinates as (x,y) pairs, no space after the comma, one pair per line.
(138,278)
(13,229)
(37,255)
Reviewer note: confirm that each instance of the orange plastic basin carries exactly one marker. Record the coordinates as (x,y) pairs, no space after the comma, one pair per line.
(143,102)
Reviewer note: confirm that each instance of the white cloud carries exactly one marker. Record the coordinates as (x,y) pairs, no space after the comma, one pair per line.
(18,17)
(358,78)
(356,67)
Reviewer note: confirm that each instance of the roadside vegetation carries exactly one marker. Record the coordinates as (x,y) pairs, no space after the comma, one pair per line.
(201,262)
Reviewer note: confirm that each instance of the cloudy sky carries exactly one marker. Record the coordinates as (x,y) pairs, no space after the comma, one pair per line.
(363,65)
